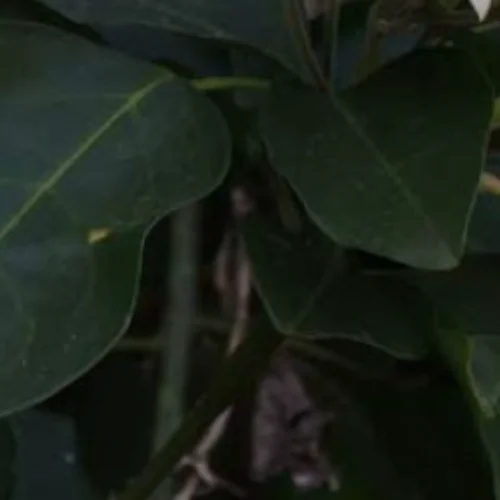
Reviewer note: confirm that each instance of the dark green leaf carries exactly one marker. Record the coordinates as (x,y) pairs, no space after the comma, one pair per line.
(48,461)
(262,24)
(34,11)
(373,167)
(197,56)
(95,148)
(306,291)
(485,47)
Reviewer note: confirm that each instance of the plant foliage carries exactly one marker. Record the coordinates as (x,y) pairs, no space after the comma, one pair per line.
(367,127)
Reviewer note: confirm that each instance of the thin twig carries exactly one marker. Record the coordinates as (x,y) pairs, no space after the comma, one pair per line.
(178,327)
(228,286)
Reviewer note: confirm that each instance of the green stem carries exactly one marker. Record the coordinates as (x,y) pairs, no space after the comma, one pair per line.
(213,83)
(177,331)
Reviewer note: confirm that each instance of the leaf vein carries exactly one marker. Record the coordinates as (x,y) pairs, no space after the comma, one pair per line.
(411,198)
(66,165)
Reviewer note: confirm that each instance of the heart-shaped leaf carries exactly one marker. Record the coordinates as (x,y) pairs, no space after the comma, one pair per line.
(305,291)
(372,167)
(95,148)
(267,26)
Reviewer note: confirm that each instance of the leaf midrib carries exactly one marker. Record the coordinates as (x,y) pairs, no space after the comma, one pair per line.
(411,198)
(66,165)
